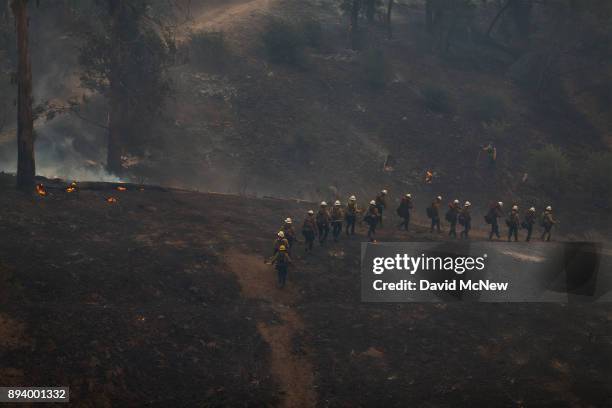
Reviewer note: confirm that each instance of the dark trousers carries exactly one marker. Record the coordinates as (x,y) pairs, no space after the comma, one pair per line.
(336,229)
(529,231)
(323,231)
(466,229)
(435,222)
(380,209)
(453,229)
(513,231)
(372,231)
(405,222)
(547,233)
(282,275)
(494,230)
(309,237)
(350,224)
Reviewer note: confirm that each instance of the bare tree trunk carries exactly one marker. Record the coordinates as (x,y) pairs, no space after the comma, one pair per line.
(26,170)
(429,16)
(370,10)
(354,29)
(389,26)
(116,94)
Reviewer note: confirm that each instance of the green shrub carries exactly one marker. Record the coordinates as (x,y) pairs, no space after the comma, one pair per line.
(549,168)
(283,42)
(376,68)
(208,49)
(436,98)
(488,108)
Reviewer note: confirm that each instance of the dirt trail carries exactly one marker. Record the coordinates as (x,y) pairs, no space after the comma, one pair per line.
(293,372)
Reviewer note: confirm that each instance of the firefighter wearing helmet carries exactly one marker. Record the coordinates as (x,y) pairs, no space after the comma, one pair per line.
(351,215)
(529,220)
(281,240)
(493,216)
(404,209)
(465,219)
(452,216)
(371,218)
(309,230)
(513,223)
(323,219)
(281,261)
(381,203)
(548,221)
(433,212)
(337,216)
(289,231)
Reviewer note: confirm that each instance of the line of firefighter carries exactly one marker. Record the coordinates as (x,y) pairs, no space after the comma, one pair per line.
(319,224)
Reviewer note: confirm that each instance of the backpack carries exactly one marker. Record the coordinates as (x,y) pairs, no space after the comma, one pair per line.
(449,216)
(430,213)
(488,219)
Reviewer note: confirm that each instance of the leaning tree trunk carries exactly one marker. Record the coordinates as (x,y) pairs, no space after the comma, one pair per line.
(354,28)
(370,10)
(25,122)
(389,26)
(116,95)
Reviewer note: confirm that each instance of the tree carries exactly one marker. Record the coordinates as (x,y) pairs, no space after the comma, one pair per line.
(388,19)
(26,170)
(125,57)
(355,7)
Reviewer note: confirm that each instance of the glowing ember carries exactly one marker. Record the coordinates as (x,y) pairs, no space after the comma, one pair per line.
(121,188)
(72,187)
(428,177)
(41,190)
(111,200)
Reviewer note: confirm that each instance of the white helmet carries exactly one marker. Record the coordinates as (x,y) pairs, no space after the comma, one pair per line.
(372,202)
(337,202)
(532,209)
(456,201)
(281,234)
(439,198)
(384,192)
(353,198)
(310,212)
(515,207)
(549,208)
(408,195)
(323,203)
(288,221)
(500,203)
(467,203)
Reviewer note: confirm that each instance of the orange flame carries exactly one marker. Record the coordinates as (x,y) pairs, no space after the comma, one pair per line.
(72,187)
(121,188)
(428,176)
(111,200)
(41,190)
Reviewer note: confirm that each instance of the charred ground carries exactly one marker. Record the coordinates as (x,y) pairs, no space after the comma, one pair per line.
(151,299)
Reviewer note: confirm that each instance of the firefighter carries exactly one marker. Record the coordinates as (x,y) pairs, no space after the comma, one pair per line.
(309,230)
(547,222)
(495,212)
(337,216)
(452,216)
(381,204)
(280,240)
(287,228)
(404,211)
(528,221)
(491,152)
(282,261)
(351,215)
(513,223)
(433,212)
(371,218)
(465,219)
(323,219)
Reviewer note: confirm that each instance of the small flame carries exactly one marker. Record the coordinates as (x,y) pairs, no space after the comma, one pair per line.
(111,200)
(41,190)
(428,176)
(121,188)
(72,187)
